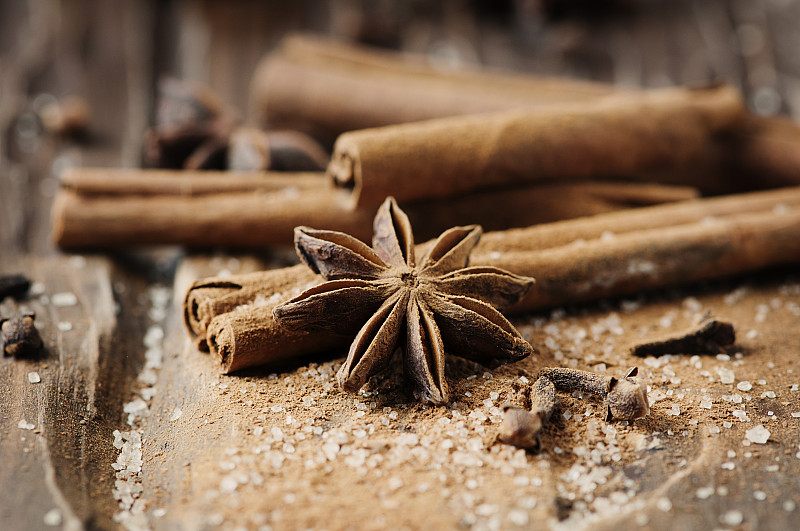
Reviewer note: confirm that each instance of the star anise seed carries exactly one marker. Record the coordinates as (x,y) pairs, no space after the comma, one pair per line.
(382,296)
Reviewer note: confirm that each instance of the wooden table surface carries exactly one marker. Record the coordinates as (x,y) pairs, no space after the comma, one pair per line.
(59,472)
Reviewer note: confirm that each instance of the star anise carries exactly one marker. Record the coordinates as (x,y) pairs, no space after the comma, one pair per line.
(383,291)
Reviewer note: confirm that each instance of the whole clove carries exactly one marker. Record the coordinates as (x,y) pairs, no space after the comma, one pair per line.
(624,398)
(523,428)
(710,338)
(193,130)
(15,286)
(19,337)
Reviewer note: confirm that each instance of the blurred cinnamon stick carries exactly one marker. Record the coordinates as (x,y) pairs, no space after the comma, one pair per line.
(113,208)
(326,87)
(574,261)
(122,182)
(616,136)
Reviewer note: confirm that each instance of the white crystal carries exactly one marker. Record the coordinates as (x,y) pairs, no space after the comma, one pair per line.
(63,299)
(705,492)
(726,376)
(733,517)
(758,434)
(52,517)
(33,377)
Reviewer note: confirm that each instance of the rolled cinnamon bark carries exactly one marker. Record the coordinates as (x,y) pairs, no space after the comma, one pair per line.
(613,137)
(608,225)
(210,297)
(247,338)
(231,219)
(123,182)
(326,88)
(644,260)
(112,208)
(582,260)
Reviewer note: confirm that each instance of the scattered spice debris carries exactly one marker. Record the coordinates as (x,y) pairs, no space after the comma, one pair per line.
(19,337)
(711,338)
(624,398)
(438,301)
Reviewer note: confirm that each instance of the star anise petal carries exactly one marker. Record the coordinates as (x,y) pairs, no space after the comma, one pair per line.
(372,348)
(336,255)
(424,357)
(491,285)
(340,306)
(393,239)
(474,330)
(451,250)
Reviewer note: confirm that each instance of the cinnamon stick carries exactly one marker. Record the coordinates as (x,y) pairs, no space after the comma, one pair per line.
(327,87)
(112,208)
(644,260)
(248,338)
(207,298)
(649,248)
(123,182)
(616,136)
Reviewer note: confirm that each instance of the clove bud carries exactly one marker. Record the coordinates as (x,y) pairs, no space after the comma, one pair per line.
(19,337)
(523,428)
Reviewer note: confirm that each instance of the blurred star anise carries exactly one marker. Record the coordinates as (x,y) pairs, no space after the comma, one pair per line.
(383,291)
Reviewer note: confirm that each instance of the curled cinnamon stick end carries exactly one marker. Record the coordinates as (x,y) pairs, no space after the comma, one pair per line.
(208,298)
(250,337)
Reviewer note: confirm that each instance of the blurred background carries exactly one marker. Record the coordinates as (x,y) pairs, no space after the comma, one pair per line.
(97,63)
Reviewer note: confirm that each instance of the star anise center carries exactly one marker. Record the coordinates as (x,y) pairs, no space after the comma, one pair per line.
(410,278)
(385,300)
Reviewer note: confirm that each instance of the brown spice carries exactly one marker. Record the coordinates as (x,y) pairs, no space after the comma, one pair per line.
(711,338)
(436,302)
(19,337)
(523,428)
